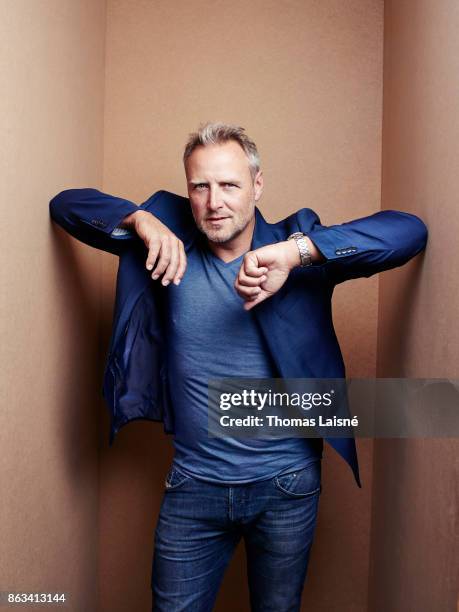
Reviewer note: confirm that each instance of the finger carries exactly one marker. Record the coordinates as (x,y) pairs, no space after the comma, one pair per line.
(250,266)
(248,293)
(152,255)
(251,270)
(250,281)
(164,258)
(182,264)
(174,260)
(249,304)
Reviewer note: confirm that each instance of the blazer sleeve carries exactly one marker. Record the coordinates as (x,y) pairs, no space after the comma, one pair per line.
(365,246)
(92,217)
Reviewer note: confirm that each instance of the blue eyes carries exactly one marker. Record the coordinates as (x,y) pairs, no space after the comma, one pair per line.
(201,186)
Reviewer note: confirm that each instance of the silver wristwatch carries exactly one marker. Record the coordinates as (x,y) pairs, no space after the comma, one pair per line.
(305,253)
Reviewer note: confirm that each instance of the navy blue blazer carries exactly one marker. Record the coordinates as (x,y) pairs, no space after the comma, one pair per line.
(296,322)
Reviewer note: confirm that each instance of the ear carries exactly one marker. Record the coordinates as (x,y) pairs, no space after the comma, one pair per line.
(258,185)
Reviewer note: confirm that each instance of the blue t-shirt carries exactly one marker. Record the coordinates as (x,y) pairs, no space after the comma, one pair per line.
(210,335)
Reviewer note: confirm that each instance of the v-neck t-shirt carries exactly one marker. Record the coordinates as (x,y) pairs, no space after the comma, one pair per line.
(210,335)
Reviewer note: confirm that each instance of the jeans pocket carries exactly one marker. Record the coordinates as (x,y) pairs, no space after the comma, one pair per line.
(175,479)
(301,483)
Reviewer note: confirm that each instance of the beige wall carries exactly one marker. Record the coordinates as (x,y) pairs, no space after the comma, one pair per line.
(414,545)
(51,114)
(305,79)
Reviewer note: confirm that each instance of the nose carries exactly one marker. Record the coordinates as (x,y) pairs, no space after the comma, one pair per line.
(214,202)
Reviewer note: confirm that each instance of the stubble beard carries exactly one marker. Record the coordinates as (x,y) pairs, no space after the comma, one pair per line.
(220,237)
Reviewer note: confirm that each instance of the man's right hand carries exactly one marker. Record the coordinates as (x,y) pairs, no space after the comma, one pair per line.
(163,246)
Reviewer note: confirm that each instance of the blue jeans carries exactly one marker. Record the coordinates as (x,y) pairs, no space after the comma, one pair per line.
(201,523)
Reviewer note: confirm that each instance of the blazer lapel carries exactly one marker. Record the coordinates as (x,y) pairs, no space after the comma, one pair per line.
(276,330)
(279,335)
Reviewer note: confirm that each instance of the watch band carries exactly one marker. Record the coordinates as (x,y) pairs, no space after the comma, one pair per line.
(305,253)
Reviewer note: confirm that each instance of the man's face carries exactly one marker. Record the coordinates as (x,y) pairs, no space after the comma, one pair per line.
(221,190)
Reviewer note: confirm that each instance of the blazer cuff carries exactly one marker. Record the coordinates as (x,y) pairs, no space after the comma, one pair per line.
(331,244)
(121,232)
(111,221)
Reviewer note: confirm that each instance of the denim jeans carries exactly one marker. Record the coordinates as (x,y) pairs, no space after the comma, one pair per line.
(201,523)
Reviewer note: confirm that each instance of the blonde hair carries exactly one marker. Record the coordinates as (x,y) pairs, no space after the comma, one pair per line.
(218,133)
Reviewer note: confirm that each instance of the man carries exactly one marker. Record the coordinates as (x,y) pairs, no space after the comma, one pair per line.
(207,289)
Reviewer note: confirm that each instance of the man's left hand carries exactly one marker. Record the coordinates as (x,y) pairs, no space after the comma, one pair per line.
(265,270)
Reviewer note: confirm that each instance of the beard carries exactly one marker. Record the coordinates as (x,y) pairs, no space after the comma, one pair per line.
(229,228)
